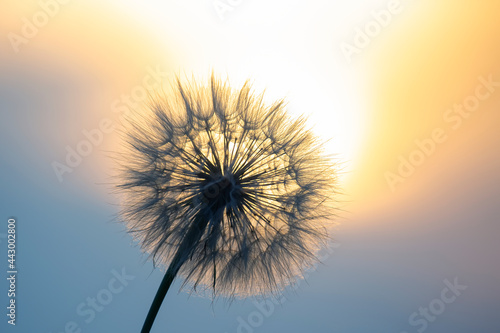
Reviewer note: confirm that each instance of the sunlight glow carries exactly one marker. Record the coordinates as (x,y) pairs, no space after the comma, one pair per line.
(288,56)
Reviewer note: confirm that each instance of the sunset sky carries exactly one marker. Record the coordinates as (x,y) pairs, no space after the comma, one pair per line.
(406,94)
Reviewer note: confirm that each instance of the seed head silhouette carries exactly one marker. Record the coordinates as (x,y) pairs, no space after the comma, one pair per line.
(229,193)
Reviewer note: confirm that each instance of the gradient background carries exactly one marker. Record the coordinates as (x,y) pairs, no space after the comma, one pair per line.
(394,248)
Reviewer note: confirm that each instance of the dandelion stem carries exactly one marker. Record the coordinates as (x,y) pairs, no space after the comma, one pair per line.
(160,295)
(193,235)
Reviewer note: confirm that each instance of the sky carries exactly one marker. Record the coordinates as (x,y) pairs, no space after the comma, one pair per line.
(406,94)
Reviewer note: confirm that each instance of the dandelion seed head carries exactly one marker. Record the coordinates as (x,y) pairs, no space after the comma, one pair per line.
(244,190)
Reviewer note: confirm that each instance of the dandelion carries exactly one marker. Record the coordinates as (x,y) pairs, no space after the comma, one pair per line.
(229,193)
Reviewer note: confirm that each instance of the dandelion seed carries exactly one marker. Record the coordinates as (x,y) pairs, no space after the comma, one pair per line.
(227,192)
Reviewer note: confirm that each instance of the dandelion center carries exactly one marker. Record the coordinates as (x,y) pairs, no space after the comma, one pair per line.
(221,192)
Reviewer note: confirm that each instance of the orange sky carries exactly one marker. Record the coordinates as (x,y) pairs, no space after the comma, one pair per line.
(418,72)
